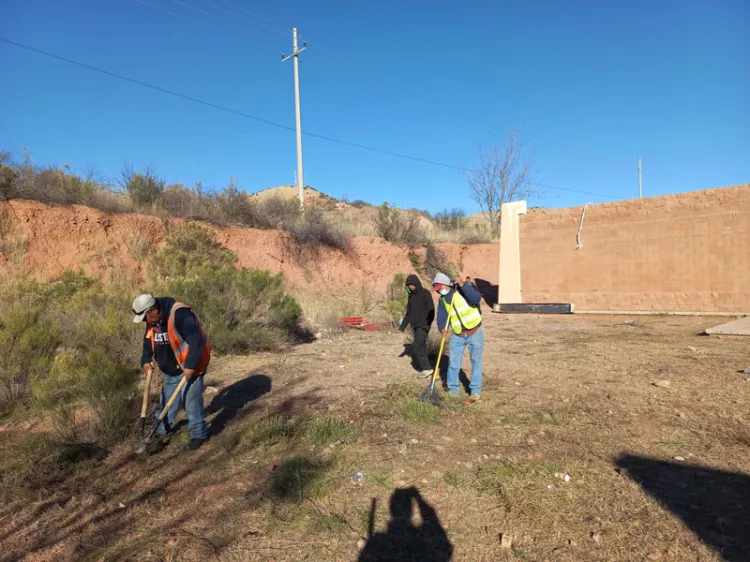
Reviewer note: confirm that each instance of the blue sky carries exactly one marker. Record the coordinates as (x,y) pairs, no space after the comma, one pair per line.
(591,85)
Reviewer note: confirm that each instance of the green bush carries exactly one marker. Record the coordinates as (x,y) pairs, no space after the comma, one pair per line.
(241,310)
(143,188)
(28,343)
(396,297)
(188,250)
(72,346)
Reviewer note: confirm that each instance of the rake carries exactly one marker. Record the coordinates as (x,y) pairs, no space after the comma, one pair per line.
(144,442)
(431,395)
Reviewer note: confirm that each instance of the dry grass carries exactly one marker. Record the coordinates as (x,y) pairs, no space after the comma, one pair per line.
(562,394)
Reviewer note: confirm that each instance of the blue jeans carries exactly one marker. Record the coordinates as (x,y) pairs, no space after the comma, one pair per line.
(192,397)
(475,342)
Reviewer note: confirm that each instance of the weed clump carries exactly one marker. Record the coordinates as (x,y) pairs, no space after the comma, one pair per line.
(300,478)
(420,413)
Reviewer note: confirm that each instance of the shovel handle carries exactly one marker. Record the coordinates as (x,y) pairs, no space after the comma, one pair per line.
(167,406)
(146,392)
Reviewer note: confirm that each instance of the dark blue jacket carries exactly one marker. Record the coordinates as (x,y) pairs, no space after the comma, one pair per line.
(187,326)
(469,292)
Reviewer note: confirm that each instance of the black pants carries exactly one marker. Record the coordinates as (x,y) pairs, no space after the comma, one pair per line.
(419,349)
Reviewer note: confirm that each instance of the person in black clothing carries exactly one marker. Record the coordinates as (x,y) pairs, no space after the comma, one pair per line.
(420,313)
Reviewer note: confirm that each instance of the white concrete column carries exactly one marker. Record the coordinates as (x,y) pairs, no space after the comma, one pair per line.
(509,284)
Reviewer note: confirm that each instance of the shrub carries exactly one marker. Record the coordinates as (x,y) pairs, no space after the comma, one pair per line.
(436,261)
(188,249)
(9,177)
(396,297)
(310,232)
(399,227)
(241,309)
(144,189)
(451,219)
(28,344)
(74,345)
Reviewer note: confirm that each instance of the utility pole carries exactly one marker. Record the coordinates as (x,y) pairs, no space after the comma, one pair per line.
(295,56)
(640,182)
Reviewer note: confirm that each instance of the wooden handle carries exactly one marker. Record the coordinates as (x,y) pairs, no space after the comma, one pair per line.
(146,392)
(172,398)
(442,342)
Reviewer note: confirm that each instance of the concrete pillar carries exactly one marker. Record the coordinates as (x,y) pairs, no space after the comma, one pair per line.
(509,280)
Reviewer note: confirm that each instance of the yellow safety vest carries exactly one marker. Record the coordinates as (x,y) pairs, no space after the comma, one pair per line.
(464,316)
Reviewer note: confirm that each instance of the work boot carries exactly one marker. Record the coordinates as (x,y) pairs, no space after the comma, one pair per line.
(195,443)
(473,399)
(746,371)
(426,373)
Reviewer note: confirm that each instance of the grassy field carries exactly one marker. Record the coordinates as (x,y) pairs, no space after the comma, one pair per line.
(323,454)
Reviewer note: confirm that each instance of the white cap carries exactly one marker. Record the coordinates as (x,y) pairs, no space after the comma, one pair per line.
(141,305)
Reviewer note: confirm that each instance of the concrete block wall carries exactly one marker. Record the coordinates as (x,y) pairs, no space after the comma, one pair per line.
(683,252)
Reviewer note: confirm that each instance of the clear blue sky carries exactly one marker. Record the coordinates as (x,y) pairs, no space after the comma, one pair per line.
(597,84)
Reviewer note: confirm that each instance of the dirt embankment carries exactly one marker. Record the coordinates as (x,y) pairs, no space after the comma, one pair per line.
(61,237)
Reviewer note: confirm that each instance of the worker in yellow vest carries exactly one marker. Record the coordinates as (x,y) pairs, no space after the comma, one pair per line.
(465,323)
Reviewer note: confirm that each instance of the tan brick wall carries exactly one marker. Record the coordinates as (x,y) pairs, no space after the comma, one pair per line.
(683,252)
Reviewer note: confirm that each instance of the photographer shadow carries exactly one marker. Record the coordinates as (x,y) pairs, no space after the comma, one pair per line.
(403,540)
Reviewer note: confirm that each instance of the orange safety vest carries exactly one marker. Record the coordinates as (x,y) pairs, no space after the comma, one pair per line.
(179,346)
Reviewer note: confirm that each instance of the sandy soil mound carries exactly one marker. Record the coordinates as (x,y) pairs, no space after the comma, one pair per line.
(60,237)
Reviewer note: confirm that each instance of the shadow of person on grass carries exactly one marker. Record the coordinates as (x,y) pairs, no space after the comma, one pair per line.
(713,503)
(404,541)
(233,398)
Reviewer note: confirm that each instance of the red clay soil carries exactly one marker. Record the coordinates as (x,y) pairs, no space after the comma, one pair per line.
(62,237)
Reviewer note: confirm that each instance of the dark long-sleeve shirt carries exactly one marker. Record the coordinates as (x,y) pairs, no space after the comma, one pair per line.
(420,309)
(186,324)
(469,292)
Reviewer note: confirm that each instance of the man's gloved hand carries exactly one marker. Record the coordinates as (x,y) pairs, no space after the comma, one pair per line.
(402,327)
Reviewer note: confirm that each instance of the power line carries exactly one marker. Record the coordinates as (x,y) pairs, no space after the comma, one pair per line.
(268,122)
(213,15)
(207,26)
(235,14)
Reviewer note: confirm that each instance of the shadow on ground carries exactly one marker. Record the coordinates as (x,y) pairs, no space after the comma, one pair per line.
(712,503)
(463,378)
(403,540)
(234,398)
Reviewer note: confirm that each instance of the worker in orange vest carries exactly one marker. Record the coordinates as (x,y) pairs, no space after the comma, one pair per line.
(175,339)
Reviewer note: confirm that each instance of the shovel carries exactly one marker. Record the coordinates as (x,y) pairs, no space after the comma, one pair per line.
(431,395)
(144,442)
(144,404)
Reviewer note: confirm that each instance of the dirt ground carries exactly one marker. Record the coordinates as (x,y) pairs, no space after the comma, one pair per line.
(656,472)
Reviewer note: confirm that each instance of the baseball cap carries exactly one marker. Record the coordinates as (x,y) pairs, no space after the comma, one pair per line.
(141,305)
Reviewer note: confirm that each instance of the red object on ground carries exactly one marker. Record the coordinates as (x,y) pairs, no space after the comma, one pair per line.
(359,323)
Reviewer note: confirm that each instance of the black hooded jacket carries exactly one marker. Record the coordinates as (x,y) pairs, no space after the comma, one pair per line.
(187,326)
(420,309)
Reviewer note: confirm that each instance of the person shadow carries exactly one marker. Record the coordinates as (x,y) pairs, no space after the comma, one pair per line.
(228,403)
(403,540)
(713,503)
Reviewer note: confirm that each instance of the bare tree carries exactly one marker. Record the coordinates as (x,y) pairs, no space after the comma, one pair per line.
(502,176)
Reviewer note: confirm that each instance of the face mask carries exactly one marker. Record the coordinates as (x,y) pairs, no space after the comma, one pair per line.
(408,290)
(444,291)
